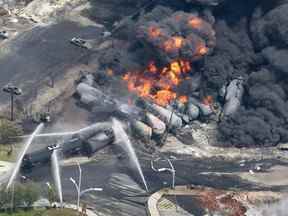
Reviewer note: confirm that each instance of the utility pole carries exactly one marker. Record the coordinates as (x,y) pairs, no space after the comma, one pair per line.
(13,91)
(171,169)
(78,187)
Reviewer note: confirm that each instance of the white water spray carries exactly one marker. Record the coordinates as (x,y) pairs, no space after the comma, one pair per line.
(122,138)
(56,134)
(22,154)
(59,134)
(57,175)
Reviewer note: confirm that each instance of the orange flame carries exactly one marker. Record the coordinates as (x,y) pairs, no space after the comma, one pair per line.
(152,67)
(173,43)
(109,72)
(154,32)
(195,22)
(164,97)
(203,50)
(157,84)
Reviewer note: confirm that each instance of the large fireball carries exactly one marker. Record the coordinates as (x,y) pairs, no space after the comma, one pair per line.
(180,36)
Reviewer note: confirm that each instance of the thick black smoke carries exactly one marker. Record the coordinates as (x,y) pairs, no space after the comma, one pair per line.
(256,48)
(176,35)
(262,120)
(252,43)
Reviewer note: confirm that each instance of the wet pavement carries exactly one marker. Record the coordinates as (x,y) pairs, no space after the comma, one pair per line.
(125,199)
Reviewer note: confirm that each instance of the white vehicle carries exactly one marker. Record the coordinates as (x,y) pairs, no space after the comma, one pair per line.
(106,34)
(4,35)
(258,167)
(79,42)
(54,147)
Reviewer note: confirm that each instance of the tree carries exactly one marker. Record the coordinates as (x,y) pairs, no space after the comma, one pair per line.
(24,195)
(51,193)
(8,130)
(4,198)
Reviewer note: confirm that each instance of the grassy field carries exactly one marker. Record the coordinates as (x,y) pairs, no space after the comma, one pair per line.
(50,212)
(3,153)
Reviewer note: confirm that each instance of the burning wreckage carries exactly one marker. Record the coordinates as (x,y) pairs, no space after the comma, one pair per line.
(181,67)
(239,80)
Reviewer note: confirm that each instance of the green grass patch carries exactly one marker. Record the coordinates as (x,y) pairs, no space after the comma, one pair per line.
(49,212)
(4,149)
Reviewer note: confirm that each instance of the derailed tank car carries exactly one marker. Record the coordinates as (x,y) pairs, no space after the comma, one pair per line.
(43,155)
(87,141)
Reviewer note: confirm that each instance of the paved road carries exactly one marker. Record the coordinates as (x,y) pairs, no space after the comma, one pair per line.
(120,187)
(33,55)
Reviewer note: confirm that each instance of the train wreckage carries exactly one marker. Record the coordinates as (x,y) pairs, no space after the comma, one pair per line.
(87,141)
